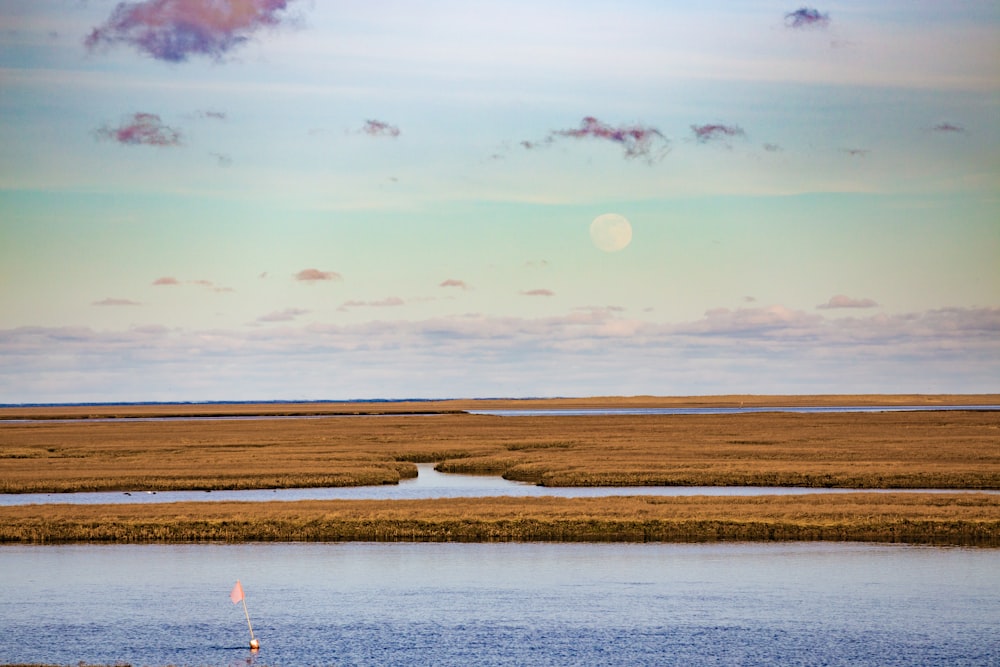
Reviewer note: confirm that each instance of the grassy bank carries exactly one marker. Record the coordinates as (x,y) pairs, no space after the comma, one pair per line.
(853,450)
(941,519)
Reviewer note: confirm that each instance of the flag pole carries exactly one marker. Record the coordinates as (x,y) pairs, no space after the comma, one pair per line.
(238,596)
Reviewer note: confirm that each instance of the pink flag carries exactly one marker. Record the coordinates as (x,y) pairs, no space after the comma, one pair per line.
(237,593)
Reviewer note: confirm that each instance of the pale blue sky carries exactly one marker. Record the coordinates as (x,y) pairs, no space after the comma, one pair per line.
(835,228)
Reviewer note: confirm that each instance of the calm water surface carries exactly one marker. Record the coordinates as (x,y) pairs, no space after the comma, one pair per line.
(502,604)
(428,484)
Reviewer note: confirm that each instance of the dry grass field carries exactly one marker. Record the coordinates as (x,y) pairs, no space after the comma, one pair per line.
(70,449)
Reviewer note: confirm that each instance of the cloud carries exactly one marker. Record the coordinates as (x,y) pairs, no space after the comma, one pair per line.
(141,129)
(222,159)
(716,132)
(843,301)
(772,148)
(857,152)
(286,315)
(452,282)
(636,140)
(208,284)
(173,30)
(314,275)
(116,302)
(806,17)
(387,302)
(753,350)
(538,292)
(377,128)
(948,127)
(213,115)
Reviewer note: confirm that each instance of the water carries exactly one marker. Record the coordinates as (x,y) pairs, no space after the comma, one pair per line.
(430,483)
(502,604)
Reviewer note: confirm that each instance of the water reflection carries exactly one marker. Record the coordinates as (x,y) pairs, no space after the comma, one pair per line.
(428,484)
(502,604)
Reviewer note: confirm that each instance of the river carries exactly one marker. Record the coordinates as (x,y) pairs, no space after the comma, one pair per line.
(502,604)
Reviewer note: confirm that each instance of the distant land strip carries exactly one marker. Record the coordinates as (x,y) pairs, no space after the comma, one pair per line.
(971,520)
(458,405)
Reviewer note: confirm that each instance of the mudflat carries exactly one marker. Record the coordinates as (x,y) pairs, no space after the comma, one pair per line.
(61,449)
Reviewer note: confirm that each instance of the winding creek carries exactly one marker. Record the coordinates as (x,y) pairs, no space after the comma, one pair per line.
(428,484)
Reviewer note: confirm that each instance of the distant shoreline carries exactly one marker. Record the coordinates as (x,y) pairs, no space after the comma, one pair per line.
(411,406)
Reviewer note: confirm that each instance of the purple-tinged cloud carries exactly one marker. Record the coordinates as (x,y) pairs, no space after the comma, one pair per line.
(538,292)
(806,17)
(314,275)
(948,127)
(116,302)
(141,129)
(378,128)
(452,282)
(844,301)
(713,132)
(166,280)
(286,315)
(173,30)
(636,140)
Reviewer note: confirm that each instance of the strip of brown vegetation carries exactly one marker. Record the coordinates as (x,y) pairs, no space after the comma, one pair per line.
(942,519)
(451,406)
(938,449)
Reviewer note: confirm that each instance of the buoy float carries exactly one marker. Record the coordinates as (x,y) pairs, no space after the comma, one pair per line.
(254,644)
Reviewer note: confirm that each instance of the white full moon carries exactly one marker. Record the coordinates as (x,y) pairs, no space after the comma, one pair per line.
(611,232)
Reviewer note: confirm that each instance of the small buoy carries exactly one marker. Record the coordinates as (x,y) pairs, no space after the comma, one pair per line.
(254,644)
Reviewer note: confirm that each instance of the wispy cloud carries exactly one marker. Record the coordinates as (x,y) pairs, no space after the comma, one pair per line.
(378,128)
(173,30)
(857,152)
(222,159)
(715,132)
(141,129)
(844,301)
(948,128)
(637,141)
(806,17)
(388,302)
(208,284)
(286,315)
(110,301)
(212,114)
(315,275)
(452,282)
(538,292)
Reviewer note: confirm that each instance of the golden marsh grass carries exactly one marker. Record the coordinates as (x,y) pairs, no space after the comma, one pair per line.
(954,519)
(953,449)
(939,449)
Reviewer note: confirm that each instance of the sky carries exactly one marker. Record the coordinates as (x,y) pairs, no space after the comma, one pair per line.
(305,200)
